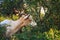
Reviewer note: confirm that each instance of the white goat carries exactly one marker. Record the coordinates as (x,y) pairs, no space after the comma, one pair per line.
(13,26)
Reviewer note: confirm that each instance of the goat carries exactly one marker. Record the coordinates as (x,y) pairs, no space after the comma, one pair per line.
(13,26)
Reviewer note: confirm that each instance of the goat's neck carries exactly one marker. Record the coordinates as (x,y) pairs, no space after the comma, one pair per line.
(16,27)
(17,22)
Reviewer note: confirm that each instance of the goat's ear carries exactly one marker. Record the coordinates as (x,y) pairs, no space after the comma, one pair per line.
(27,16)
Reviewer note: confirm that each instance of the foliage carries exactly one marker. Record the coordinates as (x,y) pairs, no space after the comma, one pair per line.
(46,29)
(2,32)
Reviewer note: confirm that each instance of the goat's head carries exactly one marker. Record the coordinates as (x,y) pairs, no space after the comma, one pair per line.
(29,20)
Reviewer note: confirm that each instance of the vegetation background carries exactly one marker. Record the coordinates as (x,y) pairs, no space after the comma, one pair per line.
(47,29)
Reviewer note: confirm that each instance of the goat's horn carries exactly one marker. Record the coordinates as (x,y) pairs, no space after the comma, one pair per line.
(20,14)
